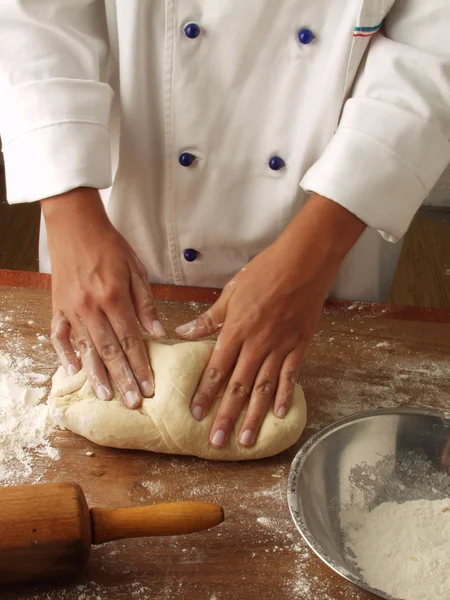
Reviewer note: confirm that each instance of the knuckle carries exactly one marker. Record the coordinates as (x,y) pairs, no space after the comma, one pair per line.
(109,351)
(110,296)
(229,285)
(205,321)
(147,303)
(265,388)
(84,346)
(130,343)
(214,376)
(238,390)
(57,336)
(57,319)
(83,301)
(203,399)
(254,314)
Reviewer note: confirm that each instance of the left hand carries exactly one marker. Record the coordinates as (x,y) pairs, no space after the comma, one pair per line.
(267,316)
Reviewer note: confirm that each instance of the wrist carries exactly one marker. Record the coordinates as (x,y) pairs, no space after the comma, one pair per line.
(81,205)
(317,240)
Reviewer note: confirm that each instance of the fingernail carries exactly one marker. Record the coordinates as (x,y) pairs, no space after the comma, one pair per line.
(247,438)
(102,392)
(148,389)
(158,329)
(132,399)
(281,412)
(197,413)
(186,329)
(71,371)
(218,438)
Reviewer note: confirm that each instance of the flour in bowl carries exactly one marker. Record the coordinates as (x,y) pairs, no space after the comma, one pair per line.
(403,549)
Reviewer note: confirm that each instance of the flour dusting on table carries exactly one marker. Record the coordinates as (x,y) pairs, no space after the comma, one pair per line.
(25,423)
(95,591)
(25,426)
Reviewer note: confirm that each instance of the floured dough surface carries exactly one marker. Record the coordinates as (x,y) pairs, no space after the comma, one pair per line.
(164,423)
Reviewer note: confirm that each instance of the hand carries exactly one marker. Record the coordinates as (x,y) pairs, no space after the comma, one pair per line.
(100,292)
(267,316)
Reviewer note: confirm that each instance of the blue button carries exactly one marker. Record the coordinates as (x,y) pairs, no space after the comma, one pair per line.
(305,36)
(276,163)
(186,159)
(190,254)
(192,31)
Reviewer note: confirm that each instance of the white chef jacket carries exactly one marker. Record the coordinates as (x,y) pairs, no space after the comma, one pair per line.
(110,93)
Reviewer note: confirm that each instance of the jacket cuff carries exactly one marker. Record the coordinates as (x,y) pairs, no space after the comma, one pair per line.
(380,165)
(55,137)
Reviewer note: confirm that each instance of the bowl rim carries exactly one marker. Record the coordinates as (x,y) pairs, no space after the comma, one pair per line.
(297,464)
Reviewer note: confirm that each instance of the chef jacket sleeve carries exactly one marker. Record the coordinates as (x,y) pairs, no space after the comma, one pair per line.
(392,142)
(54,102)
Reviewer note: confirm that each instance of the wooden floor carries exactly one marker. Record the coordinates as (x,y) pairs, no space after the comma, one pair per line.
(422,279)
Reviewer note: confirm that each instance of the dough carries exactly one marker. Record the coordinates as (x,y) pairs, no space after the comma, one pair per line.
(164,423)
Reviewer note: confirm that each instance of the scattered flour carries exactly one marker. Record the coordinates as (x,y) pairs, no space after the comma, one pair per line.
(276,536)
(382,345)
(154,487)
(25,424)
(197,306)
(94,591)
(403,549)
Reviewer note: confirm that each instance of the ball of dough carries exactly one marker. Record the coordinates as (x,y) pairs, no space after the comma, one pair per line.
(164,423)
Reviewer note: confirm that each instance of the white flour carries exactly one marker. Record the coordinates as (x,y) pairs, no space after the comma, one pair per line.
(25,425)
(403,549)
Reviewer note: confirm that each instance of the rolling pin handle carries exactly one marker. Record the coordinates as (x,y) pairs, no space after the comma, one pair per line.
(172,518)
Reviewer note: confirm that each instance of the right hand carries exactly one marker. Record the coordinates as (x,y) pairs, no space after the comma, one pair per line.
(101,293)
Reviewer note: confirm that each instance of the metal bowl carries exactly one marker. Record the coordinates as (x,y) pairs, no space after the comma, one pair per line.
(366,459)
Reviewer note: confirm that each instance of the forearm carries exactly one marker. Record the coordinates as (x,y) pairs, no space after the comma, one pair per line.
(319,237)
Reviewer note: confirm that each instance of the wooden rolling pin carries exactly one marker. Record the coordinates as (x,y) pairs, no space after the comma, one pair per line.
(46,531)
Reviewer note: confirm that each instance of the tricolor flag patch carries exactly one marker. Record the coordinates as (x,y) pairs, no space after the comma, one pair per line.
(367,31)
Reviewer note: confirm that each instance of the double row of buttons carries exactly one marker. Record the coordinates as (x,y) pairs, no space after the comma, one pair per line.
(186,159)
(192,31)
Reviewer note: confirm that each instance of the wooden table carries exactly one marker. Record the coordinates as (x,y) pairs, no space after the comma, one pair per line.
(364,356)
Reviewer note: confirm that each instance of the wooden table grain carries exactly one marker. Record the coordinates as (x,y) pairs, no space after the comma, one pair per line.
(363,356)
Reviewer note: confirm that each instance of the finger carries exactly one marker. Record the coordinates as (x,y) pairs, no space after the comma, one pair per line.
(60,336)
(235,396)
(224,357)
(138,264)
(125,326)
(261,398)
(92,363)
(111,353)
(206,324)
(210,321)
(286,384)
(145,307)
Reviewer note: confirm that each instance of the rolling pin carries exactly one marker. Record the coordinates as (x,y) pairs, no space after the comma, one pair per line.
(46,531)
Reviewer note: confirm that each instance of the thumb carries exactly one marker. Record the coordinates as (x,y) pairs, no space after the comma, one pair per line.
(144,306)
(208,322)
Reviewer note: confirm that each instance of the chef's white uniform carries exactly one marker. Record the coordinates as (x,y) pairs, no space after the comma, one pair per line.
(208,122)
